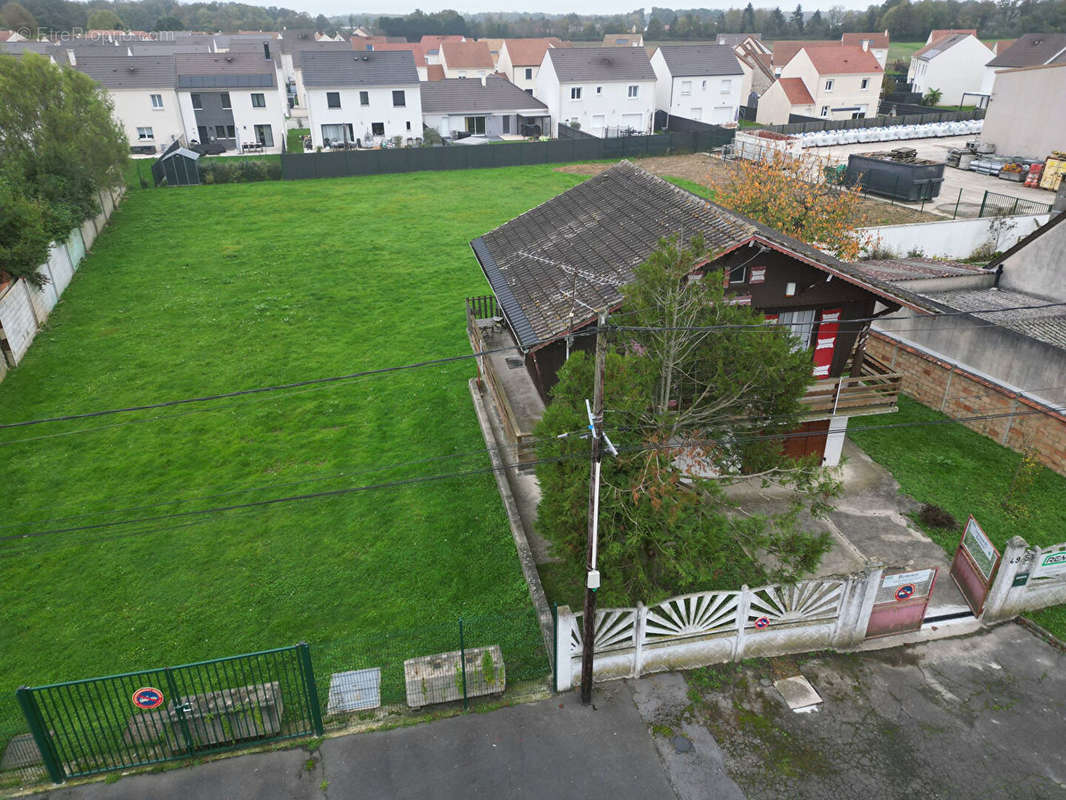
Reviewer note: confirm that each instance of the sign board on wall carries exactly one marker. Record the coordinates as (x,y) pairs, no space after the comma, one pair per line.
(980,548)
(1049,564)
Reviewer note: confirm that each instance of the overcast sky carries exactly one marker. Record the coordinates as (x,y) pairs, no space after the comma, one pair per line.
(334,7)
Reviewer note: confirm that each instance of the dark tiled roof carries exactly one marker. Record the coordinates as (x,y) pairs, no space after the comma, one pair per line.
(601,64)
(457,95)
(909,269)
(129,72)
(551,265)
(359,68)
(1030,50)
(224,71)
(705,59)
(734,39)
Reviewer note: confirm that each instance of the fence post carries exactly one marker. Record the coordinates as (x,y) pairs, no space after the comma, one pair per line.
(959,200)
(1014,210)
(743,608)
(997,604)
(984,198)
(856,607)
(304,651)
(564,625)
(639,626)
(179,707)
(32,712)
(462,664)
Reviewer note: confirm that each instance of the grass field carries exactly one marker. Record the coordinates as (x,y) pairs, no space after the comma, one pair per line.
(966,473)
(903,50)
(199,290)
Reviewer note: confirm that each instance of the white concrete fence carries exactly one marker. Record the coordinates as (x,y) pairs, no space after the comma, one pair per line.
(954,238)
(695,630)
(24,307)
(1029,578)
(711,627)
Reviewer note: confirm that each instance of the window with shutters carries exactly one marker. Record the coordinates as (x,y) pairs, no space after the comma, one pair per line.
(802,324)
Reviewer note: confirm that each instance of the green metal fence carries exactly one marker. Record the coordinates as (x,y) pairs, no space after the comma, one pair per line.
(134,719)
(994,204)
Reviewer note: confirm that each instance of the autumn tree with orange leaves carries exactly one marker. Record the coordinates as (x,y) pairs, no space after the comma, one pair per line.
(790,194)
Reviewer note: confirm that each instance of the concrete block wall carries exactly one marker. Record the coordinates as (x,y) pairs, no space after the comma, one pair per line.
(1022,584)
(1024,421)
(24,308)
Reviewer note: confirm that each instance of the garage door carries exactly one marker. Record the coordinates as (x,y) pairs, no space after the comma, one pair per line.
(722,114)
(599,121)
(633,121)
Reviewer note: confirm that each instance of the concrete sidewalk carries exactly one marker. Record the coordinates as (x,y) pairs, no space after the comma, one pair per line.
(555,748)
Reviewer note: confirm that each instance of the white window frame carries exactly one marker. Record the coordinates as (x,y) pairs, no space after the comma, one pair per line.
(801,321)
(529,73)
(261,96)
(828,85)
(703,84)
(633,91)
(225,100)
(864,84)
(686,88)
(330,105)
(575,92)
(727,85)
(142,136)
(157,102)
(197,100)
(599,90)
(825,111)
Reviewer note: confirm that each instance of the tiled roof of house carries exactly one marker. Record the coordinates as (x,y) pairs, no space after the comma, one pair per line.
(601,64)
(734,39)
(623,39)
(784,50)
(348,68)
(843,60)
(529,52)
(224,71)
(466,55)
(700,59)
(458,95)
(549,266)
(130,72)
(756,59)
(938,33)
(796,91)
(434,72)
(939,45)
(909,269)
(1031,50)
(879,40)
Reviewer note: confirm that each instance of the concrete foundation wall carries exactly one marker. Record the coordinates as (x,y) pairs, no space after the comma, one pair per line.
(957,238)
(1024,421)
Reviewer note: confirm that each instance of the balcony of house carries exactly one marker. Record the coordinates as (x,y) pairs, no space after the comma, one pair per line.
(503,372)
(874,391)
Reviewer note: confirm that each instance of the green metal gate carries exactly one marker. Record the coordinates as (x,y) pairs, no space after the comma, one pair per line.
(138,718)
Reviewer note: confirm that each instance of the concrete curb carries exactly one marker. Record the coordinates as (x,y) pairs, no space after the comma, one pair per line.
(1042,632)
(518,532)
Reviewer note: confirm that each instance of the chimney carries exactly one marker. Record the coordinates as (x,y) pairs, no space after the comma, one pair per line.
(865,45)
(73,59)
(484,80)
(266,50)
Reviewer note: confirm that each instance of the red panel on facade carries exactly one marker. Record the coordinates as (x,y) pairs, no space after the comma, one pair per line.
(825,342)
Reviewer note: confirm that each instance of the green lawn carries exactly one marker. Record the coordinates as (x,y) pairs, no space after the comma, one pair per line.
(903,50)
(966,473)
(197,290)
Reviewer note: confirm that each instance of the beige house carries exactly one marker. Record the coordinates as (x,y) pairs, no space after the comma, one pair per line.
(826,82)
(876,43)
(1020,120)
(520,60)
(466,60)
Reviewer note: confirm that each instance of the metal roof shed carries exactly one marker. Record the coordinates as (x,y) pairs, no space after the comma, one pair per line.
(177,166)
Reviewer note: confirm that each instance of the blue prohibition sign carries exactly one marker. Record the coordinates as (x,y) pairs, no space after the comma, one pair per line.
(905,591)
(148,697)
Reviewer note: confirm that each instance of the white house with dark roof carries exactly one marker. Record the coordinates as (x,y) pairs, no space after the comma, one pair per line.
(144,92)
(493,107)
(234,100)
(953,64)
(605,90)
(362,97)
(698,82)
(1028,50)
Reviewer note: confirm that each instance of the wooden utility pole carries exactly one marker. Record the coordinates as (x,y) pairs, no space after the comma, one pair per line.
(592,577)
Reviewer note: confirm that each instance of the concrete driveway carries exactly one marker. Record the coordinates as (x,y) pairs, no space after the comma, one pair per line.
(971,184)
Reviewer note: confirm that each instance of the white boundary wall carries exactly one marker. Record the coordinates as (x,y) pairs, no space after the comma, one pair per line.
(956,238)
(711,627)
(1043,584)
(24,308)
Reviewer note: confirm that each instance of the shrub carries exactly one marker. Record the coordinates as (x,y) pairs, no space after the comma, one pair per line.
(936,517)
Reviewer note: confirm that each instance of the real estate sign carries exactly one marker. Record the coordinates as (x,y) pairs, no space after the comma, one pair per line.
(1050,564)
(980,548)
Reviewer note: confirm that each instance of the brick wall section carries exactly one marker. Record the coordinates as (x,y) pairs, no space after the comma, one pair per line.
(959,393)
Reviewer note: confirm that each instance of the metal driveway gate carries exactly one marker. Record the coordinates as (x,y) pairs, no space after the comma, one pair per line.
(901,600)
(974,565)
(137,718)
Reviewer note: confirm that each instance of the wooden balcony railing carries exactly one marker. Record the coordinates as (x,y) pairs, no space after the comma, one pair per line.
(876,391)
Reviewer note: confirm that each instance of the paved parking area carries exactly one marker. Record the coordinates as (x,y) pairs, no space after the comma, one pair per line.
(971,184)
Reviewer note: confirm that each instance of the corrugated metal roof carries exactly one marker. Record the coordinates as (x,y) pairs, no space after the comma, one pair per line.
(601,64)
(703,59)
(909,269)
(1047,325)
(457,95)
(359,68)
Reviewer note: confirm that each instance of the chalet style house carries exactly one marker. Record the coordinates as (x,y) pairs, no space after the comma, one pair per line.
(553,267)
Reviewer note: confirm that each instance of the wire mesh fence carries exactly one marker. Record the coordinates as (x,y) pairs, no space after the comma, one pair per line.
(994,204)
